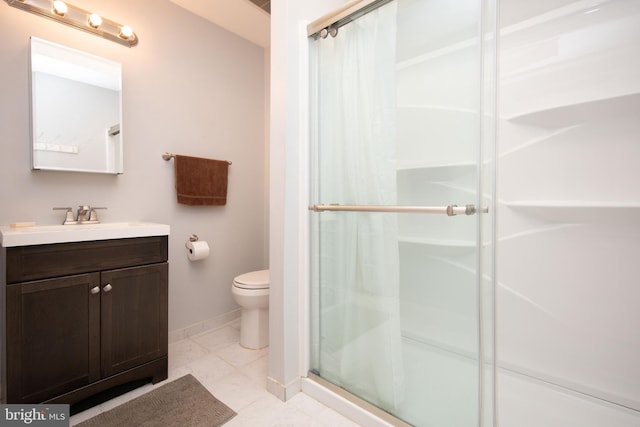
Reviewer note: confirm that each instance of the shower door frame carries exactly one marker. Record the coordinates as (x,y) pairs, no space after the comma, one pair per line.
(315,385)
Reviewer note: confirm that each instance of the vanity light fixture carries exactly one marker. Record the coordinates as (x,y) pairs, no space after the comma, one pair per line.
(79,18)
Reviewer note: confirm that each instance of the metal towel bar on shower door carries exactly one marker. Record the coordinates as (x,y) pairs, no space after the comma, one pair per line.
(450,210)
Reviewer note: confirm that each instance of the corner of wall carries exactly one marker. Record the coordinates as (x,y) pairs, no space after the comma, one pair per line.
(282,391)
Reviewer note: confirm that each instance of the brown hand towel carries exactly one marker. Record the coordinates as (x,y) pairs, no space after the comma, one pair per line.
(201,182)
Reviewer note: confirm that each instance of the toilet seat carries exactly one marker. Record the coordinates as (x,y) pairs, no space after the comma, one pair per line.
(253,280)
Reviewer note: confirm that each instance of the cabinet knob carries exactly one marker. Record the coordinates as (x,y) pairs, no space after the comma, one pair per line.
(107,287)
(95,290)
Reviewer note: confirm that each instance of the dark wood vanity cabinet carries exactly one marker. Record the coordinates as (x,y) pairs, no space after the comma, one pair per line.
(84,317)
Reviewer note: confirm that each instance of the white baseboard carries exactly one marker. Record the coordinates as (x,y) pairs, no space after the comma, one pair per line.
(197,328)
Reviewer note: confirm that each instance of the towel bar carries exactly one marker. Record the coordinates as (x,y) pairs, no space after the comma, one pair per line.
(168,156)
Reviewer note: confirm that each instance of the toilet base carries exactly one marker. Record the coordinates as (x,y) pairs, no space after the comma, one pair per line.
(254,328)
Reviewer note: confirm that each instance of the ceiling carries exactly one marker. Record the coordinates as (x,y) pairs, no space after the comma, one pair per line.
(249,19)
(262,4)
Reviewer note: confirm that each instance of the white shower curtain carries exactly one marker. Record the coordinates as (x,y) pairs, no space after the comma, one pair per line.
(360,338)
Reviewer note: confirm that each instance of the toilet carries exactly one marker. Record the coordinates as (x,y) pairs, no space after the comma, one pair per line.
(251,292)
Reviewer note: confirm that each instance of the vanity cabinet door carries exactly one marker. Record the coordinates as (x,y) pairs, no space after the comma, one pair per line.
(134,305)
(53,336)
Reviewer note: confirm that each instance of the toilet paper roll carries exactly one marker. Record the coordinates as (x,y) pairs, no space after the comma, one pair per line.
(197,250)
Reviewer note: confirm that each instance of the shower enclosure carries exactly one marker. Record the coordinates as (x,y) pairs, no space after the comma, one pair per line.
(402,208)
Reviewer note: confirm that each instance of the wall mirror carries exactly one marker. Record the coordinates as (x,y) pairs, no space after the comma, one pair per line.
(76,113)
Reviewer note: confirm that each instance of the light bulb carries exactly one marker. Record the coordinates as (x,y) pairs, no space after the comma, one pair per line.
(59,7)
(125,32)
(94,20)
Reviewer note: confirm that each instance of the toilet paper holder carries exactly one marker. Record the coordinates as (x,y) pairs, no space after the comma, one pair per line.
(196,249)
(192,238)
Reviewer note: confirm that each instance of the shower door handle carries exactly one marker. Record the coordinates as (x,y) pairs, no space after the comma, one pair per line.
(450,210)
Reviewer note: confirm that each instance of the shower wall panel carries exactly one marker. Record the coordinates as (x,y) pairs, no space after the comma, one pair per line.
(437,124)
(569,215)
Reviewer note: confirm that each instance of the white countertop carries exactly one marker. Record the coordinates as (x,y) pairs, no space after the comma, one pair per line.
(46,234)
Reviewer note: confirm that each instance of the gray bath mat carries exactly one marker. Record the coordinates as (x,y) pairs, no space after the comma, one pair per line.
(183,402)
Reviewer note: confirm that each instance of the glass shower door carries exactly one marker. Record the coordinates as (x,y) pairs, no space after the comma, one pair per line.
(397,298)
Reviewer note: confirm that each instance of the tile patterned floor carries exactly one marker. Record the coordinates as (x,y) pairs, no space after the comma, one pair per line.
(237,377)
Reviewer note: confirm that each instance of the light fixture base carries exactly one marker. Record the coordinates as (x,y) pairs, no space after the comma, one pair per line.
(79,19)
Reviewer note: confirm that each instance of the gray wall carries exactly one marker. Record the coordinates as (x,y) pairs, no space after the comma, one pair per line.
(190,87)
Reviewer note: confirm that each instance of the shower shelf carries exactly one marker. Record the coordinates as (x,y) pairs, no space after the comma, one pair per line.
(440,247)
(442,108)
(566,115)
(440,171)
(579,211)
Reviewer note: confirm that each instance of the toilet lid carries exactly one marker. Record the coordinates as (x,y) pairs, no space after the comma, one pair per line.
(253,280)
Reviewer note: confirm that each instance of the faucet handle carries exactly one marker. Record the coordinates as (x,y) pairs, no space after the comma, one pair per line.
(69,219)
(88,214)
(93,215)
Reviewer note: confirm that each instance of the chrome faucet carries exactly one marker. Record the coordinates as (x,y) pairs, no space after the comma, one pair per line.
(88,214)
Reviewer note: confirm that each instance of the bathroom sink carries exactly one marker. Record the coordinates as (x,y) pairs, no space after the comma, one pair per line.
(46,234)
